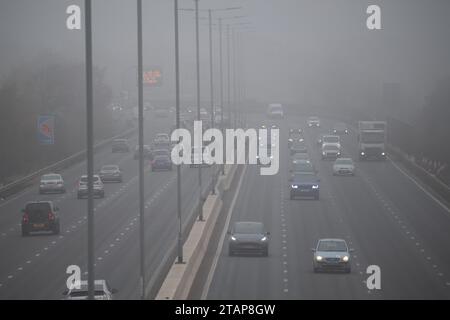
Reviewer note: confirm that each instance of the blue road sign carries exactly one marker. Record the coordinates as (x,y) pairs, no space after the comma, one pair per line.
(46,130)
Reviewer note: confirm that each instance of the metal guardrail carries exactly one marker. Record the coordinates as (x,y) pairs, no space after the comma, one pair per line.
(22,183)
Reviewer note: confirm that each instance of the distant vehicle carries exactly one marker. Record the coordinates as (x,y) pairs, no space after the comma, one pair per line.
(266,151)
(248,237)
(302,166)
(313,122)
(51,182)
(330,151)
(295,131)
(332,254)
(344,166)
(161,137)
(304,185)
(331,139)
(340,128)
(161,162)
(120,145)
(102,291)
(160,152)
(40,216)
(161,113)
(147,151)
(98,188)
(275,110)
(298,147)
(110,173)
(372,139)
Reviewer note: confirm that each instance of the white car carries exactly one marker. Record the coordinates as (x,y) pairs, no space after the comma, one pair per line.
(51,182)
(98,187)
(344,166)
(102,291)
(275,110)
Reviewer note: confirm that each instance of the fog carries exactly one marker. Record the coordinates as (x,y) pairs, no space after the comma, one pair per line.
(313,52)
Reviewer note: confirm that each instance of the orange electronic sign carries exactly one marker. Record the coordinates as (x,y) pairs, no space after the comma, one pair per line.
(152,77)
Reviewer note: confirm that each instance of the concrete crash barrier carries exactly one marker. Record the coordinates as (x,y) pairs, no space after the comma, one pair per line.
(427,178)
(224,182)
(179,280)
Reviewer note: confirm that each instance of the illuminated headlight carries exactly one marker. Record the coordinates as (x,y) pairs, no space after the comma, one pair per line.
(383,154)
(334,131)
(294,186)
(362,153)
(316,186)
(346,131)
(233,238)
(310,125)
(290,140)
(301,140)
(338,153)
(345,258)
(324,153)
(319,258)
(263,238)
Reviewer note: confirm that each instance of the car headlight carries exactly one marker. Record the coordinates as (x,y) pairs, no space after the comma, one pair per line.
(362,153)
(263,238)
(290,140)
(319,258)
(338,153)
(383,154)
(316,186)
(294,186)
(233,238)
(324,153)
(345,258)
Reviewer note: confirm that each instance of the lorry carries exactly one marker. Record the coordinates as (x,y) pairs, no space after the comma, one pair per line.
(372,140)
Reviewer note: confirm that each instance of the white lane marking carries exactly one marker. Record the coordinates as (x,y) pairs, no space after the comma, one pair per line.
(222,238)
(443,206)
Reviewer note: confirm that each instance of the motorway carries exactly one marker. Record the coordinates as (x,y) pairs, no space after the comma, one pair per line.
(35,267)
(382,214)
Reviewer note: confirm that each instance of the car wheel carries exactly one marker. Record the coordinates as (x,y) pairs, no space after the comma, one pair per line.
(230,252)
(25,232)
(348,270)
(291,197)
(266,252)
(41,192)
(102,195)
(56,229)
(316,197)
(316,270)
(78,196)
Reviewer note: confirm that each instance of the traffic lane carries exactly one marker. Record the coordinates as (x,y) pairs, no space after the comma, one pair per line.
(113,232)
(70,214)
(10,209)
(160,234)
(129,167)
(394,244)
(246,277)
(308,221)
(423,218)
(70,247)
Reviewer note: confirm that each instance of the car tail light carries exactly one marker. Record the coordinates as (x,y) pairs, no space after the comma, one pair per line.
(51,216)
(25,218)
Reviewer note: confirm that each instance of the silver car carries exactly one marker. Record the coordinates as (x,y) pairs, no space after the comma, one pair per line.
(344,166)
(111,173)
(52,182)
(332,254)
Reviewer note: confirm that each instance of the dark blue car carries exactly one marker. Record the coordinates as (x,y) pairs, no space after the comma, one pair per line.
(304,185)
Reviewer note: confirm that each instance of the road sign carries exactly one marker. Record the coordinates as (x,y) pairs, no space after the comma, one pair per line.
(46,130)
(152,77)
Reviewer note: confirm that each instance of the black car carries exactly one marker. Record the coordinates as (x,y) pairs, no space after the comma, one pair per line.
(248,237)
(120,145)
(303,185)
(40,216)
(162,162)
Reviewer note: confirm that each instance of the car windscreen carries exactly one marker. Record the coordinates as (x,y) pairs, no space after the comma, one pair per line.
(37,207)
(248,228)
(302,167)
(80,293)
(84,179)
(332,246)
(344,161)
(330,147)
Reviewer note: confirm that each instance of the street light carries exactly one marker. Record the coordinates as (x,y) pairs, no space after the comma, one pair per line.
(177,105)
(90,145)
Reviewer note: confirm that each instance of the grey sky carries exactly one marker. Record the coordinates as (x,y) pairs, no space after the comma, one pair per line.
(296,50)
